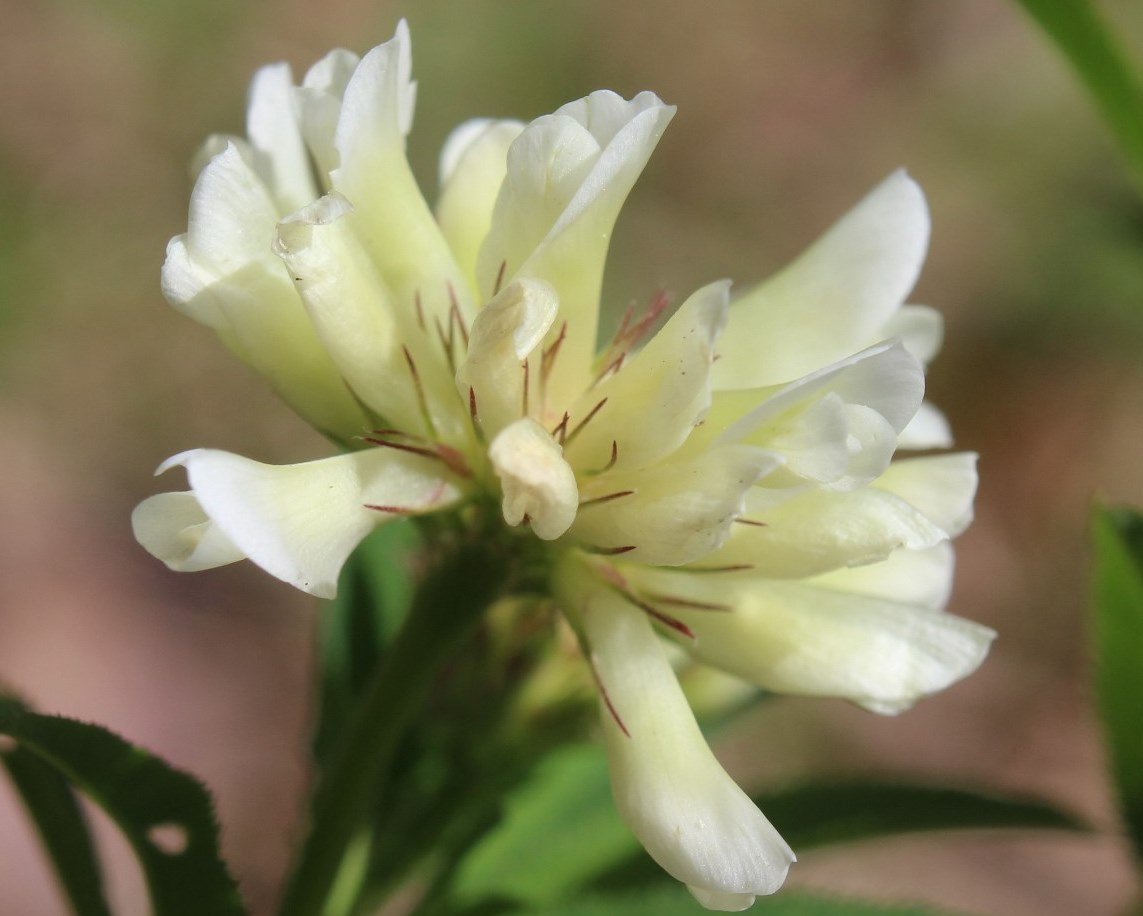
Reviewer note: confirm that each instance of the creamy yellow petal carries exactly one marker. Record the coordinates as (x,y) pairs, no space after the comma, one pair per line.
(537,484)
(941,486)
(272,124)
(173,528)
(835,297)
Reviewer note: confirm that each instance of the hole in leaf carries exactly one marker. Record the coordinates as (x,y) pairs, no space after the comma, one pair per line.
(7,744)
(169,838)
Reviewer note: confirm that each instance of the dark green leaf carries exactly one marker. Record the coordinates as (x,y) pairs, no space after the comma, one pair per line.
(1119,655)
(372,597)
(675,901)
(1079,32)
(165,814)
(62,828)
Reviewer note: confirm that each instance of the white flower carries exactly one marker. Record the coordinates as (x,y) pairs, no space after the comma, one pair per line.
(728,483)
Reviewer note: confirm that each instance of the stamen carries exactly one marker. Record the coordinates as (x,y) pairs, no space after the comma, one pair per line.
(424,451)
(549,353)
(609,551)
(454,314)
(676,601)
(446,343)
(472,412)
(607,701)
(654,310)
(666,619)
(751,522)
(417,304)
(732,568)
(446,454)
(421,399)
(610,464)
(392,510)
(499,277)
(595,501)
(524,406)
(561,431)
(582,423)
(611,368)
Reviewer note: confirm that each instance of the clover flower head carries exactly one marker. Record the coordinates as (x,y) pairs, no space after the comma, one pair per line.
(726,482)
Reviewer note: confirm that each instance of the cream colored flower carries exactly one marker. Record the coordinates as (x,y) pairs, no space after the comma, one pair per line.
(727,483)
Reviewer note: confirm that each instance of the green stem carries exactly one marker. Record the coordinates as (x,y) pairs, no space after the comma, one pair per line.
(1078,31)
(444,609)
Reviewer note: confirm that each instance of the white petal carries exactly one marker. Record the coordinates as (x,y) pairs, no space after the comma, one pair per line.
(791,637)
(319,103)
(472,168)
(674,512)
(927,429)
(941,486)
(568,175)
(668,787)
(814,531)
(300,522)
(838,425)
(353,311)
(173,528)
(504,335)
(390,215)
(833,299)
(655,400)
(536,481)
(919,577)
(280,155)
(920,328)
(223,273)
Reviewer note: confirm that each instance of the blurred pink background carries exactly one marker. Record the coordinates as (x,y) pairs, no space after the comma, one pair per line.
(788,113)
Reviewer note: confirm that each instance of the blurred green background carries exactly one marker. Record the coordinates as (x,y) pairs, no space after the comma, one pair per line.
(789,111)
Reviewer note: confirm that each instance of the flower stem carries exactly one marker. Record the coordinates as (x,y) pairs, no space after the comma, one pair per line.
(449,601)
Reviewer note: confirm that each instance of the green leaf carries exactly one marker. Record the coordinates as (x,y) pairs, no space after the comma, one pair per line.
(675,901)
(373,596)
(817,815)
(1078,31)
(560,829)
(165,814)
(62,827)
(1119,655)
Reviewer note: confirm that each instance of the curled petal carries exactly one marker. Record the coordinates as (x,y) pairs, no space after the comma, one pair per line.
(674,512)
(920,328)
(838,425)
(669,788)
(504,335)
(835,297)
(223,274)
(173,528)
(568,174)
(537,483)
(319,103)
(300,522)
(654,402)
(792,637)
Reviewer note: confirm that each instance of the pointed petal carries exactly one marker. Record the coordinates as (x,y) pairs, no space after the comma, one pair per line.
(568,175)
(280,155)
(300,522)
(391,217)
(674,512)
(792,637)
(473,164)
(504,335)
(833,299)
(537,483)
(815,531)
(319,106)
(656,399)
(173,528)
(941,486)
(669,788)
